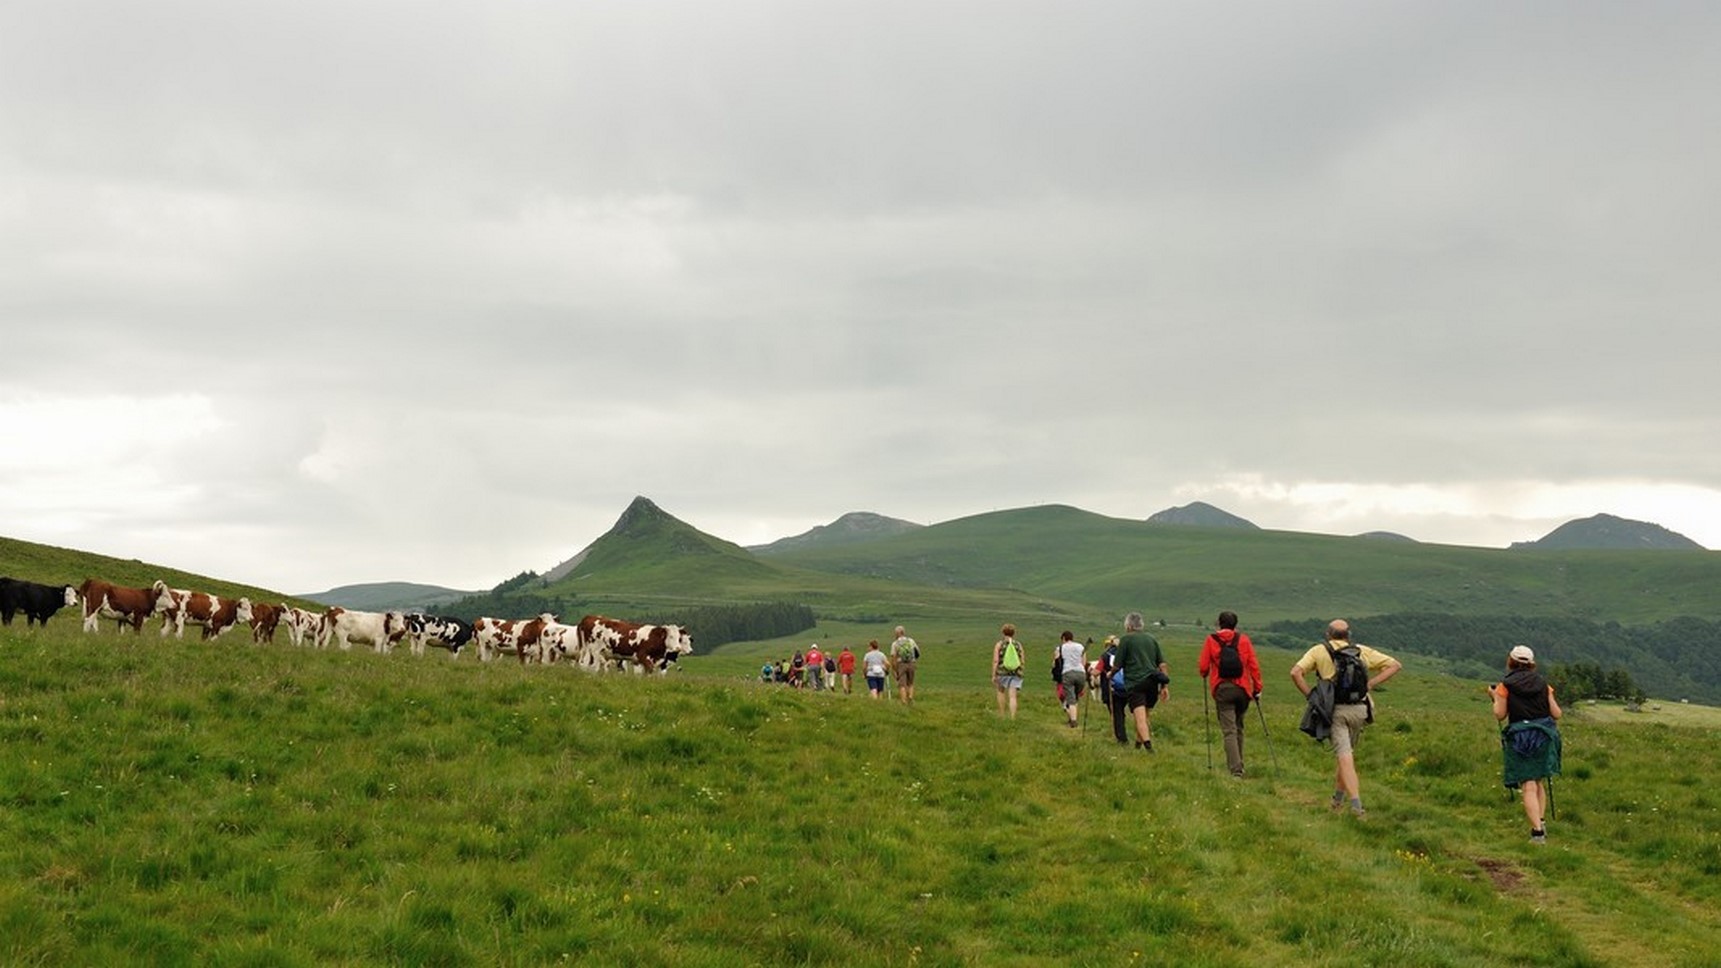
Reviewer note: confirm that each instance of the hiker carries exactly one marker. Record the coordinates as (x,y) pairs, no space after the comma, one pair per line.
(1008,661)
(874,664)
(1529,738)
(797,669)
(815,668)
(1146,678)
(904,656)
(1233,675)
(1073,675)
(1112,697)
(1353,706)
(846,669)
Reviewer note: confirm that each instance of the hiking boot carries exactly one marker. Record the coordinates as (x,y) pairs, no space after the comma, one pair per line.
(1538,836)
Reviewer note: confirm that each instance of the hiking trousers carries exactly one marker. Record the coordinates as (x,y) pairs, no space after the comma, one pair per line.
(1232,703)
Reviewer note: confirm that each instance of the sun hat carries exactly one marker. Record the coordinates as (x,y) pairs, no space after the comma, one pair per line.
(1522,653)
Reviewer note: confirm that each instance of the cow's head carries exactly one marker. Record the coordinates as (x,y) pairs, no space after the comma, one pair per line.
(677,641)
(71,596)
(163,596)
(243,613)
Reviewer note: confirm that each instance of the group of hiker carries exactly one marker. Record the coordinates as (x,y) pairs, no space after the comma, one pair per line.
(1132,678)
(822,671)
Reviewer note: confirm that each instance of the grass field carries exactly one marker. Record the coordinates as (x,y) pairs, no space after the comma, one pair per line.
(176,802)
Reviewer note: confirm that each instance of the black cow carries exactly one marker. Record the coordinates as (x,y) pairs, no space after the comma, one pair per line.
(37,602)
(449,633)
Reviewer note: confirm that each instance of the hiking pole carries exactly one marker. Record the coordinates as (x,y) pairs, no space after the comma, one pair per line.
(1267,736)
(1207,727)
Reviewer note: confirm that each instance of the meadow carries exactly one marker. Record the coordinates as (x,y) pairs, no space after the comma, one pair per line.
(180,802)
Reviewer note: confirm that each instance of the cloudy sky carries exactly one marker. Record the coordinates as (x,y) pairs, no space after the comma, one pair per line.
(310,294)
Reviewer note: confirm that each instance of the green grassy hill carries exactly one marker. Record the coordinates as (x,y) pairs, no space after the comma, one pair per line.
(194,803)
(65,566)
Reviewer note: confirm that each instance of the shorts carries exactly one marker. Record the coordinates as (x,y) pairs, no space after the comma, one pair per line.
(1348,721)
(1008,682)
(1074,685)
(905,674)
(1144,694)
(875,683)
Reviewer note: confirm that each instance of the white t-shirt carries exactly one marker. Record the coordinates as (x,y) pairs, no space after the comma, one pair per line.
(874,663)
(1075,657)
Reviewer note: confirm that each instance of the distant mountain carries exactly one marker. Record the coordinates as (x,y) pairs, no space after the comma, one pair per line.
(1604,532)
(848,529)
(1200,514)
(648,544)
(1386,536)
(386,596)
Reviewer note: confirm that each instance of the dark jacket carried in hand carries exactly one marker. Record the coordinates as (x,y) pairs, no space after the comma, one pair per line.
(1318,714)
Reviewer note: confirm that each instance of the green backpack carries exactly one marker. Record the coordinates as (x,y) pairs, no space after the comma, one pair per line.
(1011,661)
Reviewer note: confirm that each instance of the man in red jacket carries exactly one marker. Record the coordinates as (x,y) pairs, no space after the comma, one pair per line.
(1234,677)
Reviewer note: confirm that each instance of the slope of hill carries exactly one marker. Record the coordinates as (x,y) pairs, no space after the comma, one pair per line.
(56,566)
(388,595)
(183,804)
(848,529)
(1604,532)
(1200,514)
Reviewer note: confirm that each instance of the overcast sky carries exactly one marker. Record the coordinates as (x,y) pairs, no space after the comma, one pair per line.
(311,294)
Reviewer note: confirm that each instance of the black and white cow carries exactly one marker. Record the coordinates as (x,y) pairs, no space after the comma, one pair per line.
(447,633)
(37,602)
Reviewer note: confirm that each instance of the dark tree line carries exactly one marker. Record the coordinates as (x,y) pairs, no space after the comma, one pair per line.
(1679,658)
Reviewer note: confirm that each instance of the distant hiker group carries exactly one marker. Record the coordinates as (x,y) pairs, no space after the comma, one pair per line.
(822,671)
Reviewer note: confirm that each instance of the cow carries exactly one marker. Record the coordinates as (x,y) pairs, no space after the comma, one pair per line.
(123,605)
(264,618)
(216,614)
(564,641)
(517,636)
(448,633)
(37,602)
(345,626)
(303,625)
(652,647)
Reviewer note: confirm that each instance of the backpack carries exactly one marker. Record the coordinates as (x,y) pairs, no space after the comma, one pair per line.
(1230,658)
(1011,660)
(1058,666)
(1350,675)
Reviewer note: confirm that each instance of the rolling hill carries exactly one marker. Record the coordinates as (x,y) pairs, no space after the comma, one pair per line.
(1605,532)
(387,595)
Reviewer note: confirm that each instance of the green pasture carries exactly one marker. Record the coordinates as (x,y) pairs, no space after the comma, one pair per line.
(178,802)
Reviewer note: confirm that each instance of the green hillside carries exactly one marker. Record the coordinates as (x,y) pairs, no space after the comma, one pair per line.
(188,804)
(50,565)
(1188,573)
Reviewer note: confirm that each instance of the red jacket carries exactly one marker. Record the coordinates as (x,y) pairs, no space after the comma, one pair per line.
(1208,668)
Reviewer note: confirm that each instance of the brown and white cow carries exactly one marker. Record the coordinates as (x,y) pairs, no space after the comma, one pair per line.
(344,626)
(558,641)
(126,606)
(216,614)
(649,647)
(264,618)
(520,637)
(304,625)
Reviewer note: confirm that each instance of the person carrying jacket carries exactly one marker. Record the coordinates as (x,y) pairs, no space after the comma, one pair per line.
(1524,704)
(1231,693)
(1348,718)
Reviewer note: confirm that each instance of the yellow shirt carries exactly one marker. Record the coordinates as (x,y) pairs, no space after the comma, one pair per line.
(1317,660)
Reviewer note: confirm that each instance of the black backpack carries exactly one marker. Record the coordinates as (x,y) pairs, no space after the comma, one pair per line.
(1230,659)
(1350,675)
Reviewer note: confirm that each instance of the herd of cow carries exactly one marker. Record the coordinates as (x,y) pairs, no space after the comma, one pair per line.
(596,643)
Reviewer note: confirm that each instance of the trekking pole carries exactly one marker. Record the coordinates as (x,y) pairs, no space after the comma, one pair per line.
(1207,727)
(1087,700)
(1548,784)
(1267,736)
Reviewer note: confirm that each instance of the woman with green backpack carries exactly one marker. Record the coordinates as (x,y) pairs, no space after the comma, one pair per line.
(1008,661)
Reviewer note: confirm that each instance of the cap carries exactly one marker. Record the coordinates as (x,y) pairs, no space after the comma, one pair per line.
(1522,653)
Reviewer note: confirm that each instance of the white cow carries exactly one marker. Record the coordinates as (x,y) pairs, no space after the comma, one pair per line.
(381,630)
(497,636)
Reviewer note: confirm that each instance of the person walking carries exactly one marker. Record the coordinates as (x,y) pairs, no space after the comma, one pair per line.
(1008,661)
(846,669)
(1146,677)
(815,668)
(1232,673)
(875,664)
(1111,697)
(1524,704)
(1074,677)
(904,656)
(1354,671)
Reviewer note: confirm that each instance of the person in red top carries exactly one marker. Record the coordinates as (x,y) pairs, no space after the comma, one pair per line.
(1234,676)
(846,669)
(816,668)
